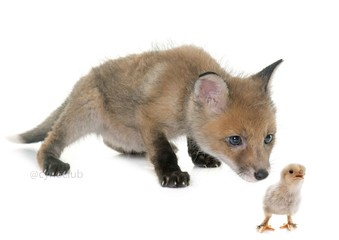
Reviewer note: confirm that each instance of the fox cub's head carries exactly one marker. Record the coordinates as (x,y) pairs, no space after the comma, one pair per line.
(234,121)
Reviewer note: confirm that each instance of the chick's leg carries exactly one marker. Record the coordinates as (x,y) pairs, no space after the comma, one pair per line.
(289,225)
(264,225)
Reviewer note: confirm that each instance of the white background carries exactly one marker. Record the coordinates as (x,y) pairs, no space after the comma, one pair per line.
(45,47)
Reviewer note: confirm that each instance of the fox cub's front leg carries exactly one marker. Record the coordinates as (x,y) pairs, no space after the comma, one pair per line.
(200,158)
(166,163)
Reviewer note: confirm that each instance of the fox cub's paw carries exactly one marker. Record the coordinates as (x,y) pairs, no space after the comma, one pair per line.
(175,179)
(55,167)
(206,161)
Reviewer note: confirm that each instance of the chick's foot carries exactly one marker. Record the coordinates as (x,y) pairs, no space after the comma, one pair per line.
(289,226)
(264,227)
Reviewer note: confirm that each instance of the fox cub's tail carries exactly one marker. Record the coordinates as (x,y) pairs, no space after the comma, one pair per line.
(40,132)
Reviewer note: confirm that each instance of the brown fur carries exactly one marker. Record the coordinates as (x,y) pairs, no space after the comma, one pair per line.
(250,114)
(139,102)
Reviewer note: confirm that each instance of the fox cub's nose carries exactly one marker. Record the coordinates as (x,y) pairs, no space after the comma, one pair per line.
(261,174)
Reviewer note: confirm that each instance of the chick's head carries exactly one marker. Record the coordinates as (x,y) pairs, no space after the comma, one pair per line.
(293,173)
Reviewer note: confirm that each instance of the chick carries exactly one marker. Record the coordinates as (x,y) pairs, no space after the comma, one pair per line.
(283,198)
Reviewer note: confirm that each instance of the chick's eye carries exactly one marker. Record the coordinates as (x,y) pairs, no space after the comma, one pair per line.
(268,139)
(290,171)
(234,140)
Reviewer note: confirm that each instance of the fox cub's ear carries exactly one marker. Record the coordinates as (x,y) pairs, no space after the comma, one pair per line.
(265,74)
(211,92)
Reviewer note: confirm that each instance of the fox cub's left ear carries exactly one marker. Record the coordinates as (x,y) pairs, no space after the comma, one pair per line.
(211,92)
(265,74)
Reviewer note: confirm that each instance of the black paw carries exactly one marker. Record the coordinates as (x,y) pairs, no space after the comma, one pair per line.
(175,179)
(206,161)
(55,167)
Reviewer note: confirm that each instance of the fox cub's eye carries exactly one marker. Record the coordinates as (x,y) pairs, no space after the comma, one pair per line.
(268,138)
(234,140)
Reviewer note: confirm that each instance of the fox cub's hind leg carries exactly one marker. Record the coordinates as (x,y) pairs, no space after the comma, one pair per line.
(77,120)
(200,158)
(51,149)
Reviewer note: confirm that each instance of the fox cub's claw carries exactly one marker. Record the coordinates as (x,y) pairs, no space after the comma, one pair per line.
(199,158)
(55,167)
(175,179)
(206,161)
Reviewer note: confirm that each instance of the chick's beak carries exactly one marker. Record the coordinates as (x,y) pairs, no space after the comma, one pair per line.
(300,175)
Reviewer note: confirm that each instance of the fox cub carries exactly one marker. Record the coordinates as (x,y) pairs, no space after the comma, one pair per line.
(140,102)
